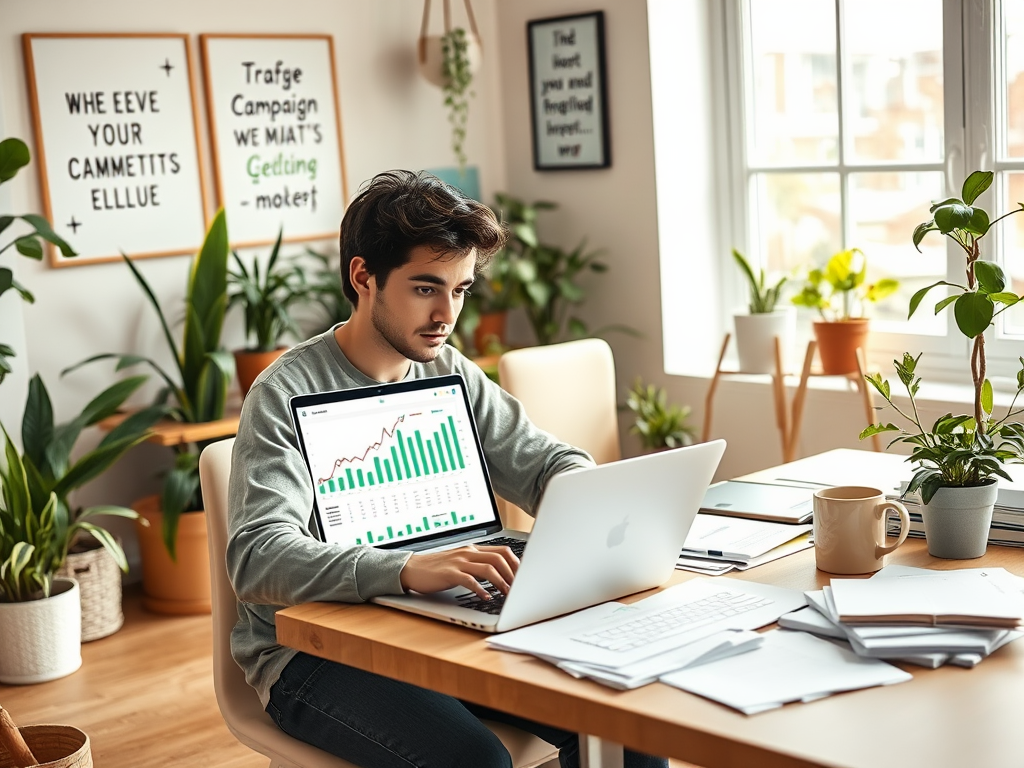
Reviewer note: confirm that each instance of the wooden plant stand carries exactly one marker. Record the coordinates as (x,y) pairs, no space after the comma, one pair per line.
(778,392)
(789,453)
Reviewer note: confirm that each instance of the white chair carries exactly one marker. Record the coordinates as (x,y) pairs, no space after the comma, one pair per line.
(238,702)
(568,390)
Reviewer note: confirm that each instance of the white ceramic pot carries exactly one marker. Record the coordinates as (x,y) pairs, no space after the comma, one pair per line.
(41,639)
(957,521)
(755,339)
(432,68)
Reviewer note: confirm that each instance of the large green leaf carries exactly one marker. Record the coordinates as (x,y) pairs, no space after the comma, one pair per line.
(915,300)
(160,314)
(14,156)
(990,276)
(109,400)
(136,423)
(953,216)
(975,185)
(206,302)
(37,421)
(95,463)
(973,313)
(45,231)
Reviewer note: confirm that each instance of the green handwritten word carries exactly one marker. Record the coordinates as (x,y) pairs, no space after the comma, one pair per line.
(280,166)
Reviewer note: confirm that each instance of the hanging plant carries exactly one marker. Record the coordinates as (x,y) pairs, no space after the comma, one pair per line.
(457,79)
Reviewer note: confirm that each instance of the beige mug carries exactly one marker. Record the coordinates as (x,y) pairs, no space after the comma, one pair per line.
(849,529)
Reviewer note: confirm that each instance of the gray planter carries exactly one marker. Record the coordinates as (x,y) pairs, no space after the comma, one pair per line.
(957,521)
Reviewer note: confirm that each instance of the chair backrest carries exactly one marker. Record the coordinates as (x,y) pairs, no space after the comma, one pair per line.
(568,390)
(238,702)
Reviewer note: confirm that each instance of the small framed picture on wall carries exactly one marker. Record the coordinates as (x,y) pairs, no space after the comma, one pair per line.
(568,94)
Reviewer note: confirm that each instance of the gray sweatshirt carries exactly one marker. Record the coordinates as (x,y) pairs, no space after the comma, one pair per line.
(273,558)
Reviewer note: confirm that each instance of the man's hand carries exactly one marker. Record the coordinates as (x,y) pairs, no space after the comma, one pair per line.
(437,571)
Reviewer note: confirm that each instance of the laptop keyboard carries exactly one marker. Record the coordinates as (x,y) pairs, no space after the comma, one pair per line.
(676,620)
(493,606)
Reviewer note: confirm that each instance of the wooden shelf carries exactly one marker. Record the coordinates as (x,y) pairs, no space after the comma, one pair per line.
(171,433)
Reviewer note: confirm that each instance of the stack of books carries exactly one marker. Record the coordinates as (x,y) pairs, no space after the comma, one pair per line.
(1007,518)
(918,616)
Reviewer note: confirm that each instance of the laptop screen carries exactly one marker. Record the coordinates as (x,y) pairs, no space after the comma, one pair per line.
(394,463)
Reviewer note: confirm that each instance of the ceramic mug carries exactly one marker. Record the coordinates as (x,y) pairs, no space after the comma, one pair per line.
(849,529)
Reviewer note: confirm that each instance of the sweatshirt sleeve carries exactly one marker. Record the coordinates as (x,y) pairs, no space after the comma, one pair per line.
(521,458)
(273,557)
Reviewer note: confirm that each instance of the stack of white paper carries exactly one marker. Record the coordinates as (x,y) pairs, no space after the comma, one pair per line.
(711,633)
(789,666)
(885,616)
(717,544)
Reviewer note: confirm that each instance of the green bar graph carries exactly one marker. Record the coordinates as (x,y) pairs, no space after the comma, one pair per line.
(440,453)
(376,465)
(322,489)
(330,484)
(351,480)
(423,455)
(369,479)
(426,525)
(405,458)
(387,469)
(455,518)
(415,463)
(455,439)
(433,461)
(359,477)
(394,462)
(390,534)
(448,445)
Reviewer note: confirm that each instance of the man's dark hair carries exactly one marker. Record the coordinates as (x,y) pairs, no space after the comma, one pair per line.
(400,210)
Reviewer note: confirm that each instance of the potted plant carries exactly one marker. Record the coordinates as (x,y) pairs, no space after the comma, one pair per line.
(450,61)
(756,332)
(842,329)
(959,458)
(266,298)
(545,275)
(325,292)
(14,156)
(39,527)
(658,424)
(175,561)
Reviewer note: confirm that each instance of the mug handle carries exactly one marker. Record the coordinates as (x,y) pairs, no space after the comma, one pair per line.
(881,551)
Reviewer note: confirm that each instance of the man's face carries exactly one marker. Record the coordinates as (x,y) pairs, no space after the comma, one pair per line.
(416,310)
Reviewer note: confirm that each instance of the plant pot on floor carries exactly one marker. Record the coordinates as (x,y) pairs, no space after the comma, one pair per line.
(177,587)
(838,342)
(41,640)
(99,584)
(755,339)
(957,521)
(53,746)
(249,364)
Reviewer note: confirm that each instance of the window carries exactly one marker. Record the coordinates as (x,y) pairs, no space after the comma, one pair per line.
(847,125)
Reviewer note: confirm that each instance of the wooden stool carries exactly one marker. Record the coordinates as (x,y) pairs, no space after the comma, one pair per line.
(789,452)
(778,390)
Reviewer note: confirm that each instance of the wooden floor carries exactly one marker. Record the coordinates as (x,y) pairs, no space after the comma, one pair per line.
(145,697)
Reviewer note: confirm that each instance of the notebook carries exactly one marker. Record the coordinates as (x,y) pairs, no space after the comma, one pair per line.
(760,501)
(401,466)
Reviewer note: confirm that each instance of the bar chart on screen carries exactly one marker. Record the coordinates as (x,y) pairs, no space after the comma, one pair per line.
(401,469)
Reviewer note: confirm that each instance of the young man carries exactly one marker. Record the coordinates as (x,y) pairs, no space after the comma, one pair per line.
(410,249)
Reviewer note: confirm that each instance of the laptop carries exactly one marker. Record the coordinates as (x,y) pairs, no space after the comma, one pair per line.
(400,466)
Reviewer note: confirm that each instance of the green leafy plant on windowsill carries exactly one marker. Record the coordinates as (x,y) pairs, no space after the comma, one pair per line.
(14,155)
(658,424)
(963,450)
(839,291)
(763,297)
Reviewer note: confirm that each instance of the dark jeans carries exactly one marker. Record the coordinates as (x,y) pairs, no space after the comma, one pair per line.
(376,722)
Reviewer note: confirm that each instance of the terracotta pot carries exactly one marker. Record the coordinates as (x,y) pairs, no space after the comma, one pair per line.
(838,342)
(491,326)
(249,365)
(182,586)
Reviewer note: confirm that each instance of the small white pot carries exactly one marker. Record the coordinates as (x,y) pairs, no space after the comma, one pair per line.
(432,68)
(41,639)
(957,521)
(755,339)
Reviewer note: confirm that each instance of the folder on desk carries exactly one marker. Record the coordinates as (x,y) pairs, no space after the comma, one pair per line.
(759,501)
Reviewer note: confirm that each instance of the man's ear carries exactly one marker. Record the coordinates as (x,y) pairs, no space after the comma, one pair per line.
(359,276)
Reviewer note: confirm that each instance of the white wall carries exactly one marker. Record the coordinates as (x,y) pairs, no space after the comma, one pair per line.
(391,118)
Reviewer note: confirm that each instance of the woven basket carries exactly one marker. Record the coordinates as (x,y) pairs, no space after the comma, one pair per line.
(99,580)
(55,746)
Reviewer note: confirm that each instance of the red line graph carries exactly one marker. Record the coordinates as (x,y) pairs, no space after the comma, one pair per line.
(384,433)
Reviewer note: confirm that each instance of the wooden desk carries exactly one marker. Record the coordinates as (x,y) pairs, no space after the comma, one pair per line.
(946,717)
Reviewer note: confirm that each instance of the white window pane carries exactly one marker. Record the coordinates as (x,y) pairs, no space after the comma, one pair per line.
(796,219)
(1013,53)
(884,209)
(894,105)
(1011,233)
(794,97)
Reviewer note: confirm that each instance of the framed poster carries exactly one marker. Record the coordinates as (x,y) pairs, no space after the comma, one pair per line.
(568,96)
(117,143)
(275,129)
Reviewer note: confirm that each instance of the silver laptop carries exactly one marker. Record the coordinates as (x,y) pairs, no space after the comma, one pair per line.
(401,466)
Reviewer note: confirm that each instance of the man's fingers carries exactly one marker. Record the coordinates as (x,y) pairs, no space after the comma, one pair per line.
(489,573)
(470,582)
(507,554)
